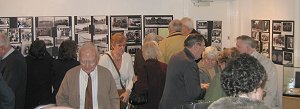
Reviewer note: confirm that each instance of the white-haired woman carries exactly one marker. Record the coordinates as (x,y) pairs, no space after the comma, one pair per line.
(209,64)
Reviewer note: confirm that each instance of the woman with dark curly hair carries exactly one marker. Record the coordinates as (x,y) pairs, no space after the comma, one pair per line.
(39,86)
(242,80)
(67,59)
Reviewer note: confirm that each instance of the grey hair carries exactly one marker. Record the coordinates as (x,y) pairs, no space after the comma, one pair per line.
(89,45)
(192,39)
(186,21)
(247,40)
(210,52)
(151,37)
(150,50)
(176,25)
(4,40)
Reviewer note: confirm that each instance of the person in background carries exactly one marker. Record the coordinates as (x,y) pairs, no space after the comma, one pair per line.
(182,79)
(246,44)
(13,68)
(39,75)
(7,97)
(88,86)
(188,26)
(173,43)
(215,91)
(152,78)
(120,65)
(209,64)
(242,80)
(67,59)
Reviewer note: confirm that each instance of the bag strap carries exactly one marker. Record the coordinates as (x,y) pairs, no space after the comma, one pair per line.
(123,87)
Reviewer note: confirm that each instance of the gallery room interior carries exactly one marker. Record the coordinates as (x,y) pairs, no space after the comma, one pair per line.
(274,24)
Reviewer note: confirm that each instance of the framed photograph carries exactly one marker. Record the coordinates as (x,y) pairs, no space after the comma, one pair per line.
(157,21)
(13,34)
(288,58)
(217,24)
(217,33)
(203,32)
(82,38)
(49,41)
(25,48)
(201,24)
(277,26)
(45,22)
(26,35)
(101,43)
(82,29)
(83,20)
(289,42)
(3,30)
(83,23)
(278,40)
(135,22)
(61,21)
(265,47)
(265,37)
(277,57)
(256,25)
(258,46)
(24,22)
(255,35)
(4,22)
(64,32)
(99,20)
(150,30)
(101,29)
(132,49)
(287,28)
(133,36)
(43,32)
(266,26)
(217,42)
(119,23)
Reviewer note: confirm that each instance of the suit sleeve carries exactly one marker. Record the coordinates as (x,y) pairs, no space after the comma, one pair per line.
(113,94)
(192,82)
(7,96)
(62,97)
(271,87)
(16,74)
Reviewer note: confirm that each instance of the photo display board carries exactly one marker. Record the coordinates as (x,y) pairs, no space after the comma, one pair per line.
(92,28)
(53,30)
(283,42)
(212,32)
(19,30)
(131,27)
(260,32)
(157,24)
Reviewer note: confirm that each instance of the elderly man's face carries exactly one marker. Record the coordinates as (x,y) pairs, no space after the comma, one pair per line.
(241,46)
(88,60)
(199,47)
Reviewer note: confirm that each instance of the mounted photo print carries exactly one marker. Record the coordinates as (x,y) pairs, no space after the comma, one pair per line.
(278,40)
(288,58)
(277,57)
(119,23)
(4,22)
(24,22)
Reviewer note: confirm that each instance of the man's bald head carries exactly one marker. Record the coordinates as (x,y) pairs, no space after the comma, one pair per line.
(88,57)
(88,47)
(175,26)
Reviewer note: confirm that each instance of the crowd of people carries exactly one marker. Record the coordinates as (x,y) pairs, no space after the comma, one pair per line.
(167,72)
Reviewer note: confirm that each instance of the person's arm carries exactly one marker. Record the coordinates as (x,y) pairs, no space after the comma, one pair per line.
(16,74)
(271,87)
(7,97)
(62,96)
(192,82)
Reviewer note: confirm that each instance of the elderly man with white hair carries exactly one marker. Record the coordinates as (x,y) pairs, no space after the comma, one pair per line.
(188,26)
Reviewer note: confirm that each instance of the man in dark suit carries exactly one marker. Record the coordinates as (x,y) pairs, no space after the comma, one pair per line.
(7,97)
(14,70)
(182,81)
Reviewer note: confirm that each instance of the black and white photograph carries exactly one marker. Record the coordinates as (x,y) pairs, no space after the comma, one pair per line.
(101,43)
(86,20)
(83,37)
(265,47)
(216,42)
(25,48)
(201,24)
(288,28)
(277,57)
(135,22)
(101,29)
(43,32)
(119,23)
(26,35)
(45,22)
(63,33)
(24,22)
(288,58)
(99,20)
(289,42)
(49,41)
(4,22)
(217,24)
(278,40)
(257,46)
(81,28)
(61,21)
(83,23)
(265,37)
(157,21)
(277,26)
(266,26)
(13,34)
(256,25)
(133,36)
(132,49)
(255,35)
(204,33)
(217,33)
(150,30)
(3,31)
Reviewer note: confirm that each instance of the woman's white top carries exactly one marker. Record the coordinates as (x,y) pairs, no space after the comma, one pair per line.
(126,70)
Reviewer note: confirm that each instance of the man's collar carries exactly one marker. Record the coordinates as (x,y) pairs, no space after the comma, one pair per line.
(174,34)
(8,53)
(189,54)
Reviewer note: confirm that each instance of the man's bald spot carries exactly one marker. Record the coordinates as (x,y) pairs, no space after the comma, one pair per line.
(88,48)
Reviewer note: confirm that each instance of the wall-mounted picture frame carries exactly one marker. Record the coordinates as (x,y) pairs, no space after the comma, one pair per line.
(119,23)
(277,57)
(4,22)
(25,22)
(157,20)
(288,58)
(201,24)
(278,40)
(289,42)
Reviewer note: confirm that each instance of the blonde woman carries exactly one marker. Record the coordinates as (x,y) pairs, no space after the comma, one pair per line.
(209,64)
